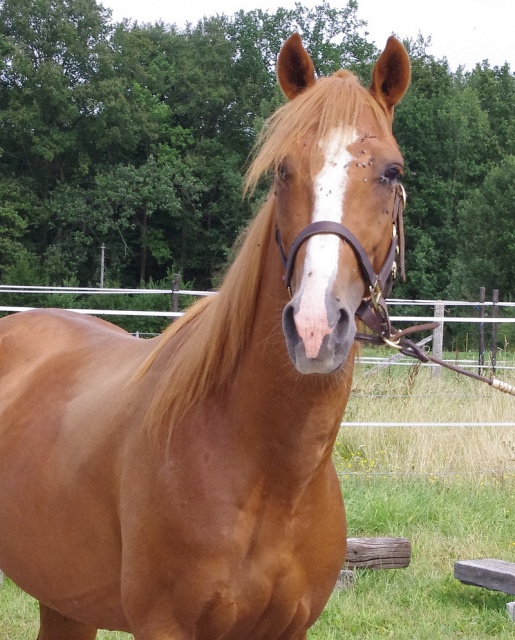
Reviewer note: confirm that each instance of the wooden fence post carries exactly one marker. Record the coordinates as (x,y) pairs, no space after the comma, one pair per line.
(438,337)
(378,553)
(495,314)
(481,344)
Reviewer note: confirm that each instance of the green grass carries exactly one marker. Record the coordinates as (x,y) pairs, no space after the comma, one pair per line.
(18,613)
(412,394)
(445,522)
(451,491)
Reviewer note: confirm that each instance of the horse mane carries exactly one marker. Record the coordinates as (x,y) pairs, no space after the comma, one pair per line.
(199,354)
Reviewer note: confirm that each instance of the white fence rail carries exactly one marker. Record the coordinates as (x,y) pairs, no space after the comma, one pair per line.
(439,306)
(408,425)
(8,288)
(22,289)
(447,304)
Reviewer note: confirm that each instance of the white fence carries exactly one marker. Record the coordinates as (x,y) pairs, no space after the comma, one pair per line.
(431,304)
(436,310)
(440,309)
(35,290)
(440,313)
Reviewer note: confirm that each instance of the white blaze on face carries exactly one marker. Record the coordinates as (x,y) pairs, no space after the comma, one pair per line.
(321,264)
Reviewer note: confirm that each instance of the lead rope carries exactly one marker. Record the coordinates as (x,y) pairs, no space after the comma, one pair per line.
(396,340)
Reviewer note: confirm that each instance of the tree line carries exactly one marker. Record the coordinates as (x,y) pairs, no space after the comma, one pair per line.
(136,137)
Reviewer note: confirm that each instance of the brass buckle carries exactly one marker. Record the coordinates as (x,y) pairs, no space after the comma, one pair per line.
(375,294)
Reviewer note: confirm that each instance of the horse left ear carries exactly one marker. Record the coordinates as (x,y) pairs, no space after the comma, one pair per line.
(391,75)
(295,70)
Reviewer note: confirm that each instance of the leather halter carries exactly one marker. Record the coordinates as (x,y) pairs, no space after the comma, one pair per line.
(372,311)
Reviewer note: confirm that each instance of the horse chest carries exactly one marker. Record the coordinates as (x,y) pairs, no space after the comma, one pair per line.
(241,573)
(281,574)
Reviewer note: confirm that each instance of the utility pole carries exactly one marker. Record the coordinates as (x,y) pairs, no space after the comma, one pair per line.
(102,265)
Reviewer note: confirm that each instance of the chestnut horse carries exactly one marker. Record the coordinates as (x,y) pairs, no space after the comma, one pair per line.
(182,488)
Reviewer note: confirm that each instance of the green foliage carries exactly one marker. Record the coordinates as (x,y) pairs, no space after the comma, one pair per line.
(12,223)
(136,137)
(447,141)
(444,522)
(486,252)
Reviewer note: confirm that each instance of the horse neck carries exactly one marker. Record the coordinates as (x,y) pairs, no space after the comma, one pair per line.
(294,418)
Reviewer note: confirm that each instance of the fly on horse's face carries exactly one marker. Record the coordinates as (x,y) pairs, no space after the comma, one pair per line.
(348,174)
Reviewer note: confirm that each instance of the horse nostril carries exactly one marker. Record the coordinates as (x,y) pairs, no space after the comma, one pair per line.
(343,323)
(344,316)
(289,326)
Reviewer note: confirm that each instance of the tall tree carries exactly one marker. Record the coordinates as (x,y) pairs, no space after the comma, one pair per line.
(136,136)
(496,90)
(485,255)
(50,50)
(446,140)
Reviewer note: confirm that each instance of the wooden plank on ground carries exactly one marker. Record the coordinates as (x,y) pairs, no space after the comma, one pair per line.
(497,575)
(378,553)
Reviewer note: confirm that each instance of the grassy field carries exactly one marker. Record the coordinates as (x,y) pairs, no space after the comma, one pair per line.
(450,490)
(412,394)
(445,521)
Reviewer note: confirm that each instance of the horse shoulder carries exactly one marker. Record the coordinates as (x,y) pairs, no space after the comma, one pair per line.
(53,362)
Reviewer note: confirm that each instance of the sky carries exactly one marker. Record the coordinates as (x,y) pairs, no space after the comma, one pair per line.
(463,31)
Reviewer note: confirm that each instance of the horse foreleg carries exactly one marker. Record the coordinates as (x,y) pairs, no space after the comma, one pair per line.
(54,626)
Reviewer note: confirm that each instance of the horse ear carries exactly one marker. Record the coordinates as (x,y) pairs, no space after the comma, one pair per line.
(295,70)
(391,75)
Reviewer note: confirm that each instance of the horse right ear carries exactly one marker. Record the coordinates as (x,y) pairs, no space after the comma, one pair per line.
(295,70)
(391,75)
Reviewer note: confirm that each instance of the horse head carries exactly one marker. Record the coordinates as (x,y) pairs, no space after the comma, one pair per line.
(337,169)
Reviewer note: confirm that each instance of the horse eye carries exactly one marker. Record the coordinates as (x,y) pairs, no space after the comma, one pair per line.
(392,174)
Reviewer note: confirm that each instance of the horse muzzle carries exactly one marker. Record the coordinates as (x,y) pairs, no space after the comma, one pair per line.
(318,345)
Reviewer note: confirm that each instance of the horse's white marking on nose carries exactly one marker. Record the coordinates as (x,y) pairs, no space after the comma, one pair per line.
(321,264)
